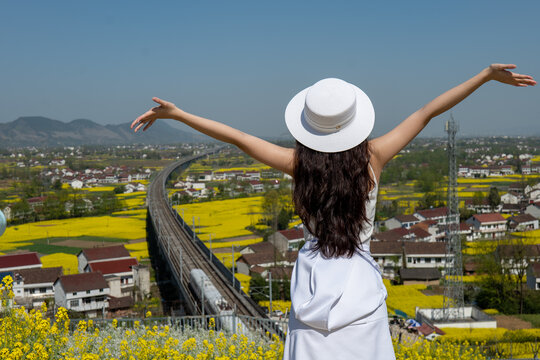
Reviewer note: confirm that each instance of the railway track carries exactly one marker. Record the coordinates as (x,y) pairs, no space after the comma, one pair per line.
(184,251)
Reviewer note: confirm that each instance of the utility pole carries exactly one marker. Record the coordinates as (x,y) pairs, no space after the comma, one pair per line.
(233,277)
(270,290)
(210,253)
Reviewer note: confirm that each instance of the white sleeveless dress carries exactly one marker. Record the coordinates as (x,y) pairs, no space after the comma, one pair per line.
(338,305)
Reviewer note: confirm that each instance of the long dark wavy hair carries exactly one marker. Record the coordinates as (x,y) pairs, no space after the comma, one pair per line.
(330,192)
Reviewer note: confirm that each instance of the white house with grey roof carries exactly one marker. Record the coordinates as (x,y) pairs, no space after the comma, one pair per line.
(32,287)
(87,293)
(404,221)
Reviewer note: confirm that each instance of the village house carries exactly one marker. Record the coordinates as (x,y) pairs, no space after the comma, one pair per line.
(397,234)
(278,272)
(265,257)
(36,203)
(533,275)
(253,175)
(533,209)
(425,255)
(404,221)
(490,226)
(426,276)
(436,214)
(432,227)
(274,183)
(256,186)
(264,246)
(512,209)
(29,260)
(389,256)
(99,254)
(482,207)
(86,293)
(32,287)
(285,240)
(517,257)
(523,222)
(511,198)
(117,273)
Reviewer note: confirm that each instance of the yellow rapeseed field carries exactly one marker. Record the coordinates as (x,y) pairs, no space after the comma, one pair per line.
(244,281)
(228,244)
(223,218)
(138,250)
(226,258)
(67,261)
(407,297)
(99,226)
(281,305)
(99,188)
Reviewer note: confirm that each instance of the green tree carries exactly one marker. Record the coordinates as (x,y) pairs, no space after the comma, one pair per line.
(494,198)
(478,198)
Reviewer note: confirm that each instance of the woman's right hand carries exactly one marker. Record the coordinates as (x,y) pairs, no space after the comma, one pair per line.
(500,73)
(165,110)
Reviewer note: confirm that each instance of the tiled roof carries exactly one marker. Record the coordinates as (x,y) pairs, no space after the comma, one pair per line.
(265,246)
(426,224)
(420,233)
(516,207)
(385,247)
(39,275)
(406,218)
(292,234)
(108,252)
(487,218)
(113,266)
(19,260)
(433,213)
(464,226)
(391,235)
(279,272)
(522,218)
(419,274)
(260,258)
(123,302)
(426,329)
(83,282)
(424,248)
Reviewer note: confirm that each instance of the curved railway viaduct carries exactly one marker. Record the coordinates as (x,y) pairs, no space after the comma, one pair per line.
(182,251)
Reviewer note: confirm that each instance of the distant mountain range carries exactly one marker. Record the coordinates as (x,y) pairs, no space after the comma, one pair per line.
(45,132)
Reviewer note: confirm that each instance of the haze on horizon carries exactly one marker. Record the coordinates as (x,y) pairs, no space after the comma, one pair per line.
(241,62)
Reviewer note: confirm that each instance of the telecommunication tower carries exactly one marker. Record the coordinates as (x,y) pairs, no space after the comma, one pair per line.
(453,302)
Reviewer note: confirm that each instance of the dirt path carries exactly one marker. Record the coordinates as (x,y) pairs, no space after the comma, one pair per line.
(511,322)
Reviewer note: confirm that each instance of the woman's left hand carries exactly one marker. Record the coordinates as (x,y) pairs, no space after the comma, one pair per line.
(165,110)
(499,72)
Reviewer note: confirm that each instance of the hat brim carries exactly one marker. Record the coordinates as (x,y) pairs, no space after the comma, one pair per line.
(344,139)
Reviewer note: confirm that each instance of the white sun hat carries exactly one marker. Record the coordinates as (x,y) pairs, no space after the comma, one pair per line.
(330,116)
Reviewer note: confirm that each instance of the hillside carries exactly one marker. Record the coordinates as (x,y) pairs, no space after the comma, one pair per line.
(42,131)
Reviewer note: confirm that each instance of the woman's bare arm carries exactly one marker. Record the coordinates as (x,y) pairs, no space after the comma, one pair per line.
(384,148)
(278,157)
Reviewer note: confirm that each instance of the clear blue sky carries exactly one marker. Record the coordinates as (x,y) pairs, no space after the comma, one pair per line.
(240,62)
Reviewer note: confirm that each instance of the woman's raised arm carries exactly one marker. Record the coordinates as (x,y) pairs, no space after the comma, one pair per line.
(278,157)
(384,148)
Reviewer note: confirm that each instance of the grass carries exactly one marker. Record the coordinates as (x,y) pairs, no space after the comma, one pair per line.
(534,319)
(44,248)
